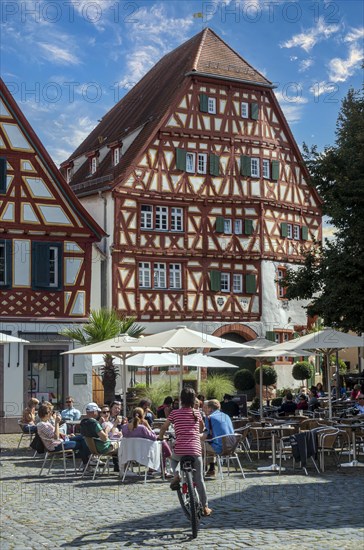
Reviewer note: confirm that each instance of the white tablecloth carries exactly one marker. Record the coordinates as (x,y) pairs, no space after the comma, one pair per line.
(143,451)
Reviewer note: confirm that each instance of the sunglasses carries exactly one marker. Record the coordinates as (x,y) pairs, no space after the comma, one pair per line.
(105,412)
(69,401)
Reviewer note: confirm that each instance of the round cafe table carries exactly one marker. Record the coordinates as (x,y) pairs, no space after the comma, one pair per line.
(353,427)
(274,430)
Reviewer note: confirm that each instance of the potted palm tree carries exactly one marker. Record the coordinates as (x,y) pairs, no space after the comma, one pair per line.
(104,324)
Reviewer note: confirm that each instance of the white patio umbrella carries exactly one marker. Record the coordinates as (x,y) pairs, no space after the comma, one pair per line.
(325,341)
(257,343)
(7,339)
(183,340)
(123,346)
(200,361)
(141,360)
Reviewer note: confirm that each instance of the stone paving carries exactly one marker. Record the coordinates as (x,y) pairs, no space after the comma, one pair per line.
(265,510)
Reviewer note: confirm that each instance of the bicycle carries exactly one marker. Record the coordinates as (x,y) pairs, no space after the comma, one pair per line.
(188,495)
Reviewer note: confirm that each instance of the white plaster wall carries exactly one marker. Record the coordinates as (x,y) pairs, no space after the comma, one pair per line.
(284,376)
(274,315)
(14,375)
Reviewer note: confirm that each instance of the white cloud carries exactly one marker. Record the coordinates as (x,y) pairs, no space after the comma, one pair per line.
(319,88)
(58,54)
(293,113)
(293,58)
(291,95)
(310,37)
(305,64)
(341,69)
(355,35)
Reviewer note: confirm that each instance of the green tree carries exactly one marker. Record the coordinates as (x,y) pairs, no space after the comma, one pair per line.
(104,324)
(302,370)
(244,380)
(269,377)
(332,276)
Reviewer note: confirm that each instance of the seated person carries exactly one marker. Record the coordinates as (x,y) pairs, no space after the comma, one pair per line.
(70,413)
(217,424)
(164,409)
(139,427)
(302,404)
(359,405)
(104,420)
(355,392)
(28,418)
(51,437)
(313,402)
(229,407)
(175,404)
(145,404)
(90,427)
(288,406)
(320,390)
(115,417)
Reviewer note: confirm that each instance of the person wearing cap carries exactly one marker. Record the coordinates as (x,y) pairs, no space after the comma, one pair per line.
(359,405)
(90,427)
(229,407)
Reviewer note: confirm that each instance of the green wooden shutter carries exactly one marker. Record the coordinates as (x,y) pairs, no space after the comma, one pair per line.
(181,159)
(270,335)
(275,169)
(254,111)
(204,103)
(214,165)
(248,227)
(250,284)
(215,281)
(40,265)
(2,175)
(219,225)
(245,166)
(284,229)
(304,233)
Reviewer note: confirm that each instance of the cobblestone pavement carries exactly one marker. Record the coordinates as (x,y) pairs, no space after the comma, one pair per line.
(263,511)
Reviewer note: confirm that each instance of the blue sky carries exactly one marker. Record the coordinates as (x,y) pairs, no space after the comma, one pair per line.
(68,62)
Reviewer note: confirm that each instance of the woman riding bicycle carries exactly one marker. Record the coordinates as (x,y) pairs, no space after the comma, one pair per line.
(188,426)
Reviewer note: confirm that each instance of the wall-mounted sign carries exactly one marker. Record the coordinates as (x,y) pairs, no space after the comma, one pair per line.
(80,379)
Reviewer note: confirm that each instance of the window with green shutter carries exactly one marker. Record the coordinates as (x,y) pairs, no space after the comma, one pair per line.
(284,229)
(2,175)
(215,280)
(250,284)
(214,165)
(270,335)
(245,165)
(47,262)
(6,247)
(204,103)
(275,169)
(220,224)
(181,159)
(304,233)
(254,111)
(248,227)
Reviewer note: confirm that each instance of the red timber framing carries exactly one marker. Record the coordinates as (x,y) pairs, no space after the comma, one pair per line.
(45,232)
(219,153)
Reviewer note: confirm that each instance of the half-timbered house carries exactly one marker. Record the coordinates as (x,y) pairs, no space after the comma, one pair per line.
(46,253)
(204,192)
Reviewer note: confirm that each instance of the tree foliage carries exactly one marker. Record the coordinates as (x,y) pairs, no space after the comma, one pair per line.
(104,324)
(332,276)
(302,370)
(244,380)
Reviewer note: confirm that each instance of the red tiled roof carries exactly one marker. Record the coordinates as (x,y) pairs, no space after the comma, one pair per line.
(148,101)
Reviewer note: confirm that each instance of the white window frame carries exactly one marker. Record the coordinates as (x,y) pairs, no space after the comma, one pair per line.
(2,264)
(296,232)
(176,219)
(159,275)
(254,167)
(175,276)
(144,275)
(116,156)
(69,174)
(211,105)
(201,163)
(146,216)
(244,109)
(266,169)
(53,266)
(289,231)
(238,227)
(225,282)
(190,162)
(228,226)
(161,218)
(237,283)
(93,165)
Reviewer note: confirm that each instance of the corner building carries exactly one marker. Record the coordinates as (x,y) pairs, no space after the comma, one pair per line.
(197,179)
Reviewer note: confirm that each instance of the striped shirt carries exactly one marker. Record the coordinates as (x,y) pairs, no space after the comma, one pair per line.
(46,433)
(187,428)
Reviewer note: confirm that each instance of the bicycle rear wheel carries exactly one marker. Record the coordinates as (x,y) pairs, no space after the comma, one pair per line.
(184,500)
(193,504)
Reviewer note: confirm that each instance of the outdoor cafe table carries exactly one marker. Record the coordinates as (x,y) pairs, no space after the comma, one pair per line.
(274,430)
(353,427)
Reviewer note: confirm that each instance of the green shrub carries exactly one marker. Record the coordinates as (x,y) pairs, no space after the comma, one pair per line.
(269,375)
(216,385)
(157,391)
(302,370)
(255,404)
(244,380)
(277,401)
